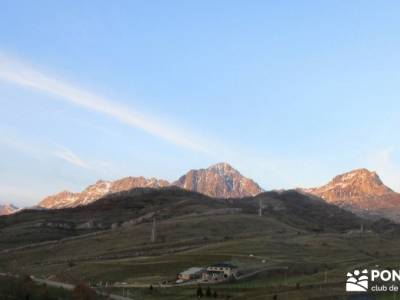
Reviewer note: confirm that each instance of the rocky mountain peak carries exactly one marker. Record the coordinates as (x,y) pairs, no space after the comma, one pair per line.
(361,191)
(359,175)
(222,168)
(220,180)
(356,183)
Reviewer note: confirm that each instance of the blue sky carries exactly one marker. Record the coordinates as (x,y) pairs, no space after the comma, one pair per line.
(291,93)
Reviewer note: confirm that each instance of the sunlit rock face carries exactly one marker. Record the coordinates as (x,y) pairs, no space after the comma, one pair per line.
(220,180)
(99,190)
(362,192)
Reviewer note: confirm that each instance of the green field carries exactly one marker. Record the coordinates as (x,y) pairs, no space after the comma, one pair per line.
(126,255)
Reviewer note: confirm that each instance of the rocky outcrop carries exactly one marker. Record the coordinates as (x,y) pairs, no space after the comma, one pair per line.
(58,225)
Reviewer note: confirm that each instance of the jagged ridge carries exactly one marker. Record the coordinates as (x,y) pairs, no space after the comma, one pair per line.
(98,190)
(220,180)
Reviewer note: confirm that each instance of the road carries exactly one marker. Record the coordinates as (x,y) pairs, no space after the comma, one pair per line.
(70,287)
(66,286)
(55,284)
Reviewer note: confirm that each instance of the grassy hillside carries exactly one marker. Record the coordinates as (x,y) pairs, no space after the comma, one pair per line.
(142,205)
(25,288)
(300,248)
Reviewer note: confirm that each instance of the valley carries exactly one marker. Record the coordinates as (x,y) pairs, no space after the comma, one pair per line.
(299,248)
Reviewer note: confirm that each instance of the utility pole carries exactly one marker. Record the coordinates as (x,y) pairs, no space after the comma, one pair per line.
(260,208)
(286,278)
(153,231)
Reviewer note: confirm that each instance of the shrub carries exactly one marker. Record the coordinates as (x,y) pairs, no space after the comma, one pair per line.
(199,292)
(83,292)
(208,292)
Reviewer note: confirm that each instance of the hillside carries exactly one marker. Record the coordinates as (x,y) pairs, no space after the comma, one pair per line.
(141,206)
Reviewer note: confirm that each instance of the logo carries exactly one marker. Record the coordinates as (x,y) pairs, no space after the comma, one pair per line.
(374,280)
(357,281)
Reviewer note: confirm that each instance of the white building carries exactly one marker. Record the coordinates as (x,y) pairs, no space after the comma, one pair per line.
(190,274)
(220,271)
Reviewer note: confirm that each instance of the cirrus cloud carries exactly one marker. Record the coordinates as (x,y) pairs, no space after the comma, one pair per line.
(22,74)
(70,157)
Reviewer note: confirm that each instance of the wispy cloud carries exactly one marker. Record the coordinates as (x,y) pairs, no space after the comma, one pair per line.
(22,74)
(70,157)
(43,153)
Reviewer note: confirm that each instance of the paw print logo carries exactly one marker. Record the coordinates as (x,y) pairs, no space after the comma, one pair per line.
(357,281)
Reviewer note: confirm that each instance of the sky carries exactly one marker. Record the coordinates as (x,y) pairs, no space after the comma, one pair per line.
(291,93)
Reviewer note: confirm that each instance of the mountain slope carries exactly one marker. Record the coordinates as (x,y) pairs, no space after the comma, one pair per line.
(363,192)
(220,180)
(7,209)
(138,207)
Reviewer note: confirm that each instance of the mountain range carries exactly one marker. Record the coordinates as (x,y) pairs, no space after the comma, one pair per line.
(219,181)
(359,191)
